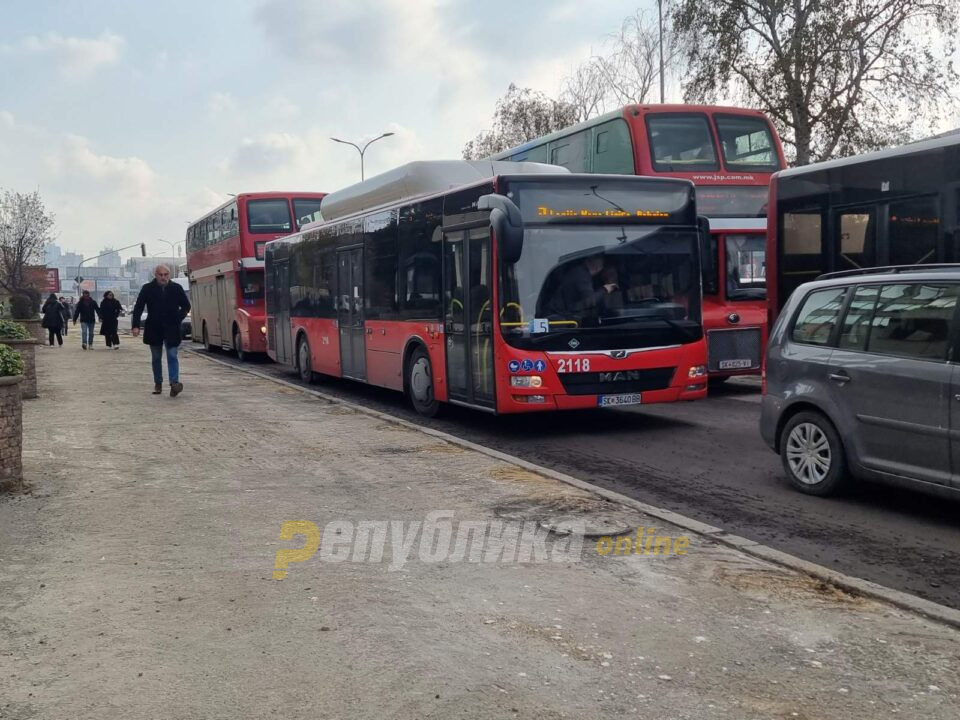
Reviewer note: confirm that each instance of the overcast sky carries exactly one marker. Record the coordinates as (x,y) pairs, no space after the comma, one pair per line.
(132,118)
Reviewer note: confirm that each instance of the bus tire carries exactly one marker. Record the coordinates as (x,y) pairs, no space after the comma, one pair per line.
(206,338)
(238,345)
(304,368)
(419,382)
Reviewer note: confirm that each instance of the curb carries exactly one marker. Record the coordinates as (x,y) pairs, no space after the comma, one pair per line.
(857,586)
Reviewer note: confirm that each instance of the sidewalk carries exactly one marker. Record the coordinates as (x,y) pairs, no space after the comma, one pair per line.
(137,580)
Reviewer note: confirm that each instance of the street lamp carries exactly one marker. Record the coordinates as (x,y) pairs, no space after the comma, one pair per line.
(79,279)
(364,149)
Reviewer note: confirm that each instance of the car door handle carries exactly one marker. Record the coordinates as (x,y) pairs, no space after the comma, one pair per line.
(839,377)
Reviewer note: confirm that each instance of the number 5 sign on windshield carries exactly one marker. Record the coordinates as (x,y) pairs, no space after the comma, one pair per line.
(539,325)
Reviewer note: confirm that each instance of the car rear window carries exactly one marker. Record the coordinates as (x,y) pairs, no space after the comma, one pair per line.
(818,316)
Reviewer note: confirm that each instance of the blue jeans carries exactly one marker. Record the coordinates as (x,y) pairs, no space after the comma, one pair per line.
(86,333)
(173,363)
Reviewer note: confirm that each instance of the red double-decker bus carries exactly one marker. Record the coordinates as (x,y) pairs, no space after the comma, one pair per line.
(729,154)
(507,287)
(225,265)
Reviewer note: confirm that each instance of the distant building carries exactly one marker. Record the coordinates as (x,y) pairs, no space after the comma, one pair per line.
(110,259)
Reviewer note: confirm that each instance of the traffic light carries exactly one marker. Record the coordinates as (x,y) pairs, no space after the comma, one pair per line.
(143,249)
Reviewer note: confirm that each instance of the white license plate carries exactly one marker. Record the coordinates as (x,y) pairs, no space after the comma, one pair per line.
(614,400)
(735,364)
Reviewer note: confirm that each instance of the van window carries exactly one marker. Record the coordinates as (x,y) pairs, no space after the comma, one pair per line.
(913,320)
(818,316)
(856,324)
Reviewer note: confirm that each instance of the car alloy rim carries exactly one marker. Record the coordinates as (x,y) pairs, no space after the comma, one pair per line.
(808,453)
(420,382)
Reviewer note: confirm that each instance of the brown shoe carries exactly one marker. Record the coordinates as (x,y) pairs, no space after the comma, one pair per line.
(157,389)
(176,389)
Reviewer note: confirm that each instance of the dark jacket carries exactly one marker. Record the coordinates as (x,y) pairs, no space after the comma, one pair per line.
(65,311)
(52,315)
(166,306)
(109,312)
(87,310)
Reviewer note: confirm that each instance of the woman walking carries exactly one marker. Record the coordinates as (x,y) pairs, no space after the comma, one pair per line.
(53,319)
(110,310)
(87,311)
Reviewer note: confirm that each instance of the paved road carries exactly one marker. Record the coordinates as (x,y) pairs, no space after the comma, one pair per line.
(706,460)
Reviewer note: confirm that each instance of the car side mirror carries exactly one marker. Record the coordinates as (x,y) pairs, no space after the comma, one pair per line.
(506,223)
(708,256)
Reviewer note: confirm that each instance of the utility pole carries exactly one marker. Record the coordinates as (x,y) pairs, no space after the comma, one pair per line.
(660,23)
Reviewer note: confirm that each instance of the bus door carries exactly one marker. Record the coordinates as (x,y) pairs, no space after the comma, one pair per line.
(468,316)
(353,362)
(281,313)
(223,309)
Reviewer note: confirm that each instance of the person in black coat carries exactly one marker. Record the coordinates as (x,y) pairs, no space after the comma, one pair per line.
(110,310)
(53,319)
(88,311)
(65,311)
(167,305)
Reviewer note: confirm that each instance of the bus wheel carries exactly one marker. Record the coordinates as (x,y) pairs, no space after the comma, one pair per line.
(420,384)
(303,362)
(238,345)
(206,339)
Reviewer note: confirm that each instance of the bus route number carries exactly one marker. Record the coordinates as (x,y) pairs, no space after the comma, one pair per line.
(573,365)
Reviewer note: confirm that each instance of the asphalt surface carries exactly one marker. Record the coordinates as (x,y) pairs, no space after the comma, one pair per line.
(706,460)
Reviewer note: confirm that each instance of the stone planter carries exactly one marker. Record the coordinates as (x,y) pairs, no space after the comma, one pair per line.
(28,351)
(11,433)
(35,328)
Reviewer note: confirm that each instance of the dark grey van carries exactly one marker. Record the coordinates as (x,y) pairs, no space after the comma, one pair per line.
(862,378)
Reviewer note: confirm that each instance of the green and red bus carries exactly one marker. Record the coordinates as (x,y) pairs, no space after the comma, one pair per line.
(729,154)
(506,287)
(225,265)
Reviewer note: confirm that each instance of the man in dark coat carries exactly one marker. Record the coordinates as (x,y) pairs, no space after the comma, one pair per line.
(88,311)
(166,305)
(65,311)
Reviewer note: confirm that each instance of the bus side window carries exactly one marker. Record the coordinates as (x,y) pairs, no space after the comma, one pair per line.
(419,260)
(801,251)
(612,148)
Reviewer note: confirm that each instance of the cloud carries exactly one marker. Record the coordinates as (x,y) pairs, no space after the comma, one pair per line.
(77,57)
(221,103)
(76,160)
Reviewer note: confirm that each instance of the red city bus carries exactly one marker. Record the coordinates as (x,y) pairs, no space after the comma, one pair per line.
(729,154)
(507,287)
(225,265)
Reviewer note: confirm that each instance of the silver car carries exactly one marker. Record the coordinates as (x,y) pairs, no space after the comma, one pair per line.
(862,379)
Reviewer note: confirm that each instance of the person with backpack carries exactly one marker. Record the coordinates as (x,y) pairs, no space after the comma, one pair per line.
(110,310)
(53,319)
(88,311)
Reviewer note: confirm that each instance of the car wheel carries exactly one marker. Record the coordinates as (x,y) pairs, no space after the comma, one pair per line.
(420,384)
(812,454)
(304,367)
(238,345)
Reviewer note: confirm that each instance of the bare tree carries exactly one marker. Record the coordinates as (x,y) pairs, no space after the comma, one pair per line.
(836,76)
(520,115)
(25,229)
(586,91)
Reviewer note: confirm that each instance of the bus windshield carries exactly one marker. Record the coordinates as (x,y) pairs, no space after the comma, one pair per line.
(268,216)
(601,280)
(747,143)
(746,267)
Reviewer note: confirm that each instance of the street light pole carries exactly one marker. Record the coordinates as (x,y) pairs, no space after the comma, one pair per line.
(173,254)
(660,23)
(362,150)
(78,279)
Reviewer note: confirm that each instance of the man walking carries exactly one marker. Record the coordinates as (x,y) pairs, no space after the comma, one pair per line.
(88,311)
(65,312)
(166,305)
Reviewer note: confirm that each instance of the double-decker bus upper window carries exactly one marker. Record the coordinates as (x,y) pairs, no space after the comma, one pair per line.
(747,143)
(306,210)
(722,201)
(746,267)
(268,216)
(681,142)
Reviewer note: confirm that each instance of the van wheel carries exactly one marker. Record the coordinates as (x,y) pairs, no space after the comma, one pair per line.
(304,366)
(206,339)
(238,345)
(812,454)
(420,384)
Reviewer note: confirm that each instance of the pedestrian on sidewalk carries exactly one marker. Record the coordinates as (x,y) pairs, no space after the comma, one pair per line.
(167,306)
(88,311)
(53,319)
(110,310)
(65,312)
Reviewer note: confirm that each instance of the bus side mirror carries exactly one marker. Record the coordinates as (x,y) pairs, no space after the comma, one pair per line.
(507,225)
(708,256)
